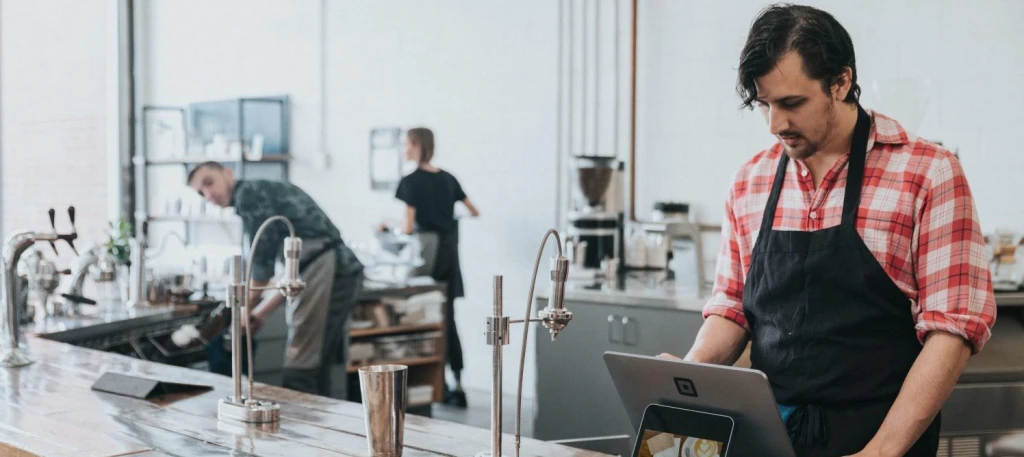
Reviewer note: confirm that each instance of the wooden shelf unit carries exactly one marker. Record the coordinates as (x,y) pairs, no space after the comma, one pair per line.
(410,362)
(395,330)
(422,370)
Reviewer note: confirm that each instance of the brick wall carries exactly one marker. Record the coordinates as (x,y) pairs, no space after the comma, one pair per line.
(54,101)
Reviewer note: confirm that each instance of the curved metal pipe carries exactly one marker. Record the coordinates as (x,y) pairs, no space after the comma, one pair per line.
(526,328)
(246,280)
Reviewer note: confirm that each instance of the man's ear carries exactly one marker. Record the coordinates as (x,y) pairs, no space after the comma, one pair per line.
(842,85)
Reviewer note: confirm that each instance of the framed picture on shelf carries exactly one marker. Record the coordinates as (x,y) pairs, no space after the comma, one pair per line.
(165,133)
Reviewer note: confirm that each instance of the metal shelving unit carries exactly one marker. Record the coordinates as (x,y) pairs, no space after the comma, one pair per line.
(238,119)
(188,130)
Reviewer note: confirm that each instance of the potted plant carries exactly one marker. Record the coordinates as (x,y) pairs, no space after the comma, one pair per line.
(114,262)
(118,245)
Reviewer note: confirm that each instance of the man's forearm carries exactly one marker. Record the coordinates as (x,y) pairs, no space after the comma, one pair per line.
(719,341)
(254,295)
(269,305)
(928,385)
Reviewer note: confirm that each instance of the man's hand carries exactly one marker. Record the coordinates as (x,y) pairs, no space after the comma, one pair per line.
(667,356)
(257,323)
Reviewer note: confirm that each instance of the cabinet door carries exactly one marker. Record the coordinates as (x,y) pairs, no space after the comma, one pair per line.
(651,331)
(575,394)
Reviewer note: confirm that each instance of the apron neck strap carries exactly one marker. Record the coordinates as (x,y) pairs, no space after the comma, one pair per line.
(768,219)
(854,180)
(855,167)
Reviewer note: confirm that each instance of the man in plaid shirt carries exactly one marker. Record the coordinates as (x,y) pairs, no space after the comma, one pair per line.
(852,257)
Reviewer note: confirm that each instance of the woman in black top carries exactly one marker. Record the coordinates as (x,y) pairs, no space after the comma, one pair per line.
(430,195)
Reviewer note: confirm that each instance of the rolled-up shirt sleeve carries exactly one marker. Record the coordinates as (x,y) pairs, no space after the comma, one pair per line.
(727,293)
(951,265)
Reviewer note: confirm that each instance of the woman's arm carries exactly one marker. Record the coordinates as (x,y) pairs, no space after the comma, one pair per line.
(472,209)
(410,220)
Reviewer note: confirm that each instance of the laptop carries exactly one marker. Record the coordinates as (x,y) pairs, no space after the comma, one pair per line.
(742,394)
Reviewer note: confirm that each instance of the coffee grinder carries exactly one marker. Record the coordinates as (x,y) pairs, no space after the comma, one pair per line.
(596,218)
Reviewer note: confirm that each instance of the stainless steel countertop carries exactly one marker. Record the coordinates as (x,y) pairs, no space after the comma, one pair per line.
(1010,298)
(645,290)
(52,324)
(96,323)
(1001,360)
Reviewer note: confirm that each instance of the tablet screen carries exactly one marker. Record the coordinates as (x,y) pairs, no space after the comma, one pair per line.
(656,443)
(676,432)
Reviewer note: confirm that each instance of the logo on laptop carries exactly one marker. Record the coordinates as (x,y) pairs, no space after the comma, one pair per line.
(686,387)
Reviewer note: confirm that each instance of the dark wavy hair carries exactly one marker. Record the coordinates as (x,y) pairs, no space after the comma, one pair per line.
(822,42)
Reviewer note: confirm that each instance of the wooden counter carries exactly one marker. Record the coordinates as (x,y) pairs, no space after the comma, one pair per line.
(48,409)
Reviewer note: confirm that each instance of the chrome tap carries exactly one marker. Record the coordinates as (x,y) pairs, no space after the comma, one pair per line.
(163,244)
(239,407)
(43,278)
(137,290)
(14,246)
(71,297)
(554,317)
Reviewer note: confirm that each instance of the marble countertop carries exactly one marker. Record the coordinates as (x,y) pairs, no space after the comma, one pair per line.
(49,409)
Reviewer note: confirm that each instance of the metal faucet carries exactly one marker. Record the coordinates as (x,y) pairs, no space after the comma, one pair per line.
(71,297)
(14,246)
(245,408)
(555,317)
(163,244)
(137,277)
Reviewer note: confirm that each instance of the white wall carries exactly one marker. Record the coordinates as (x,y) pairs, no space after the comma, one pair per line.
(484,76)
(55,90)
(480,75)
(692,137)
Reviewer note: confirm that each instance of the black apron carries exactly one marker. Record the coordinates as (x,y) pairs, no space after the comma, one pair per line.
(447,268)
(830,329)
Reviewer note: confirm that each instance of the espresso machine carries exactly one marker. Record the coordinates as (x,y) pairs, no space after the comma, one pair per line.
(596,215)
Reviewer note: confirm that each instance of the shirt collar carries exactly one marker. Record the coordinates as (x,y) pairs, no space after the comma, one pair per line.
(885,130)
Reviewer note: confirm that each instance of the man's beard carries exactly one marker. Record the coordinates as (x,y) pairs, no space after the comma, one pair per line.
(811,147)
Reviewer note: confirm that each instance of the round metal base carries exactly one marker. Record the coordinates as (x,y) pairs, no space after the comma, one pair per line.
(248,411)
(14,359)
(485,454)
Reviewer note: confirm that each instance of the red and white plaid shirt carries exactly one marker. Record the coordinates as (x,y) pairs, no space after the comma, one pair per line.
(916,215)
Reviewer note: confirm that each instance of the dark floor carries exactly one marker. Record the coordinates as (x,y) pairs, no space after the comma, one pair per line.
(478,413)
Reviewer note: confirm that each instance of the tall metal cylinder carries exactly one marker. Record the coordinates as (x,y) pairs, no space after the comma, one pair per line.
(13,311)
(137,273)
(236,299)
(14,246)
(497,330)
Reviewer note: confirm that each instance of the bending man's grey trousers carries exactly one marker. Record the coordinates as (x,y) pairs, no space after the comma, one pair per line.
(316,330)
